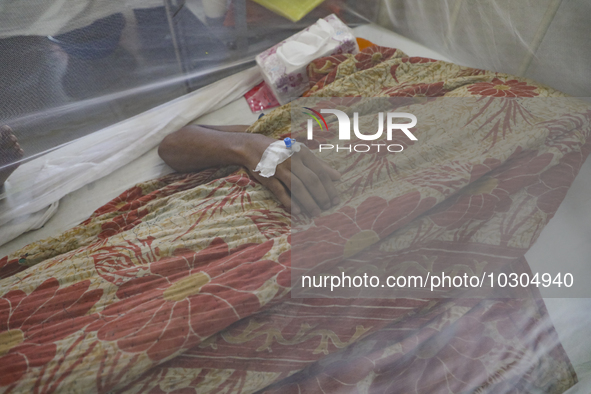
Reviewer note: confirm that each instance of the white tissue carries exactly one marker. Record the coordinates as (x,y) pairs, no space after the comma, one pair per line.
(307,47)
(284,65)
(275,154)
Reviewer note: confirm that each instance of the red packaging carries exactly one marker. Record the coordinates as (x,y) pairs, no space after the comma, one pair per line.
(260,98)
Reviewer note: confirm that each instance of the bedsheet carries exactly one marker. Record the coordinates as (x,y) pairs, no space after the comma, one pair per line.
(182,283)
(41,183)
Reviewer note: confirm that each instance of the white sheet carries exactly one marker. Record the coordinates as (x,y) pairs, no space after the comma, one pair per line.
(42,182)
(567,234)
(80,204)
(50,17)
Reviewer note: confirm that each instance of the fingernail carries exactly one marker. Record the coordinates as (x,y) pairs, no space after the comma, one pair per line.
(326,206)
(336,201)
(316,212)
(295,210)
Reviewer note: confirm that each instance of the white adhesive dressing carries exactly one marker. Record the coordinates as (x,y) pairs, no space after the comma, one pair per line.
(275,154)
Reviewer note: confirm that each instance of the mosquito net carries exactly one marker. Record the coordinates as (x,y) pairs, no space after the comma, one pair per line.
(542,40)
(205,283)
(71,68)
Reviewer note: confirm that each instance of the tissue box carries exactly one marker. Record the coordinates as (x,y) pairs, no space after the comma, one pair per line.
(284,65)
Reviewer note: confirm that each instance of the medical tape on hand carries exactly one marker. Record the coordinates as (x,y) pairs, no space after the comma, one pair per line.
(275,154)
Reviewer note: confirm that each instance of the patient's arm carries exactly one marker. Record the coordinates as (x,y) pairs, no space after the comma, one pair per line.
(237,128)
(194,148)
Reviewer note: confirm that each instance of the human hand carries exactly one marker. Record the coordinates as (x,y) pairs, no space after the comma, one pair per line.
(303,176)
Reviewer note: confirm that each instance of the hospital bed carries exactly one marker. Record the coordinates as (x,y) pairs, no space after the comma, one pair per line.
(566,234)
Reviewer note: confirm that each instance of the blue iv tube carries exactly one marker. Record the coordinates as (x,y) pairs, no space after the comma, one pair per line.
(288,142)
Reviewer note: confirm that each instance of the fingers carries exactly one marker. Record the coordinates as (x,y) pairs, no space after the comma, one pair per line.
(325,175)
(6,136)
(304,182)
(301,193)
(10,149)
(332,173)
(305,187)
(282,194)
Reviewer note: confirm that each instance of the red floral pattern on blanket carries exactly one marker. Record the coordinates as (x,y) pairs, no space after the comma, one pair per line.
(372,56)
(9,267)
(184,300)
(498,88)
(326,70)
(446,357)
(30,325)
(417,90)
(318,69)
(181,284)
(348,231)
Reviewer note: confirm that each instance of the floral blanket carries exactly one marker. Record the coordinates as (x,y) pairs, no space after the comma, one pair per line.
(182,284)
